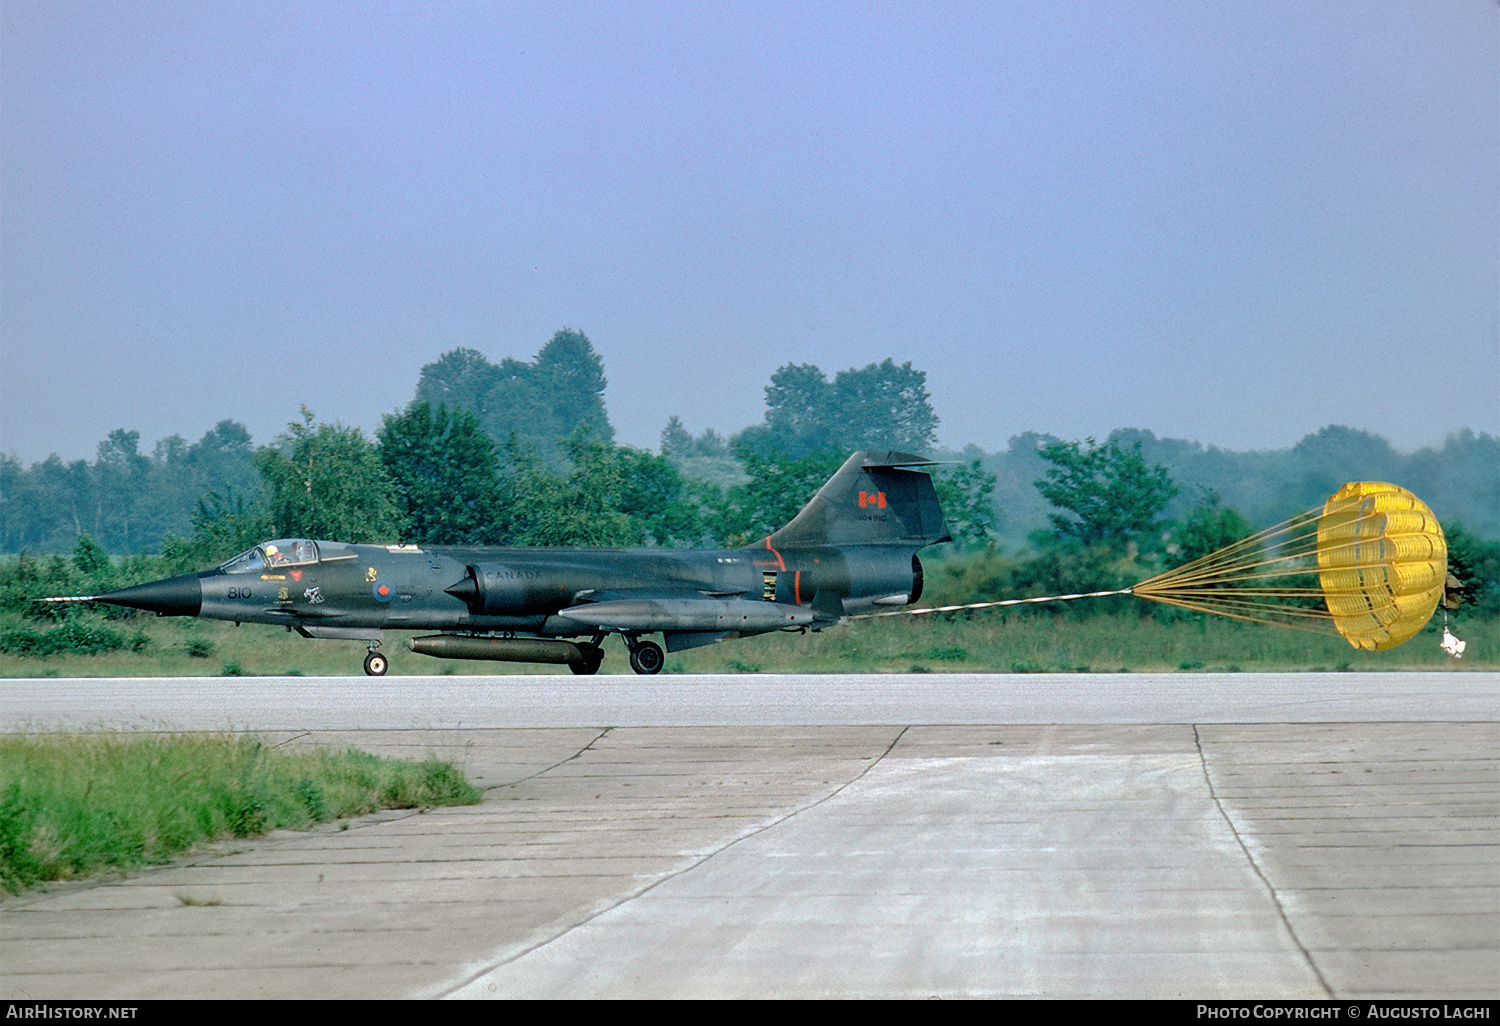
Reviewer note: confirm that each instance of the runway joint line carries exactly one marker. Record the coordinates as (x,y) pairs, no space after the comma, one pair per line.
(1286,921)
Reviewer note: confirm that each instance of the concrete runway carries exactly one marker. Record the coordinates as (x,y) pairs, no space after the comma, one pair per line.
(1183,835)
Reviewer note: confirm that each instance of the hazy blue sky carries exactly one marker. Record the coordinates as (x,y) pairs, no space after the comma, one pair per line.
(1233,222)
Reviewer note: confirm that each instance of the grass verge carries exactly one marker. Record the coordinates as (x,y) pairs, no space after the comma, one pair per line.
(75,805)
(981,642)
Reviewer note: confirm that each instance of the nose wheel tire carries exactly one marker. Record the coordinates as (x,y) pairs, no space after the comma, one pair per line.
(646,657)
(376,664)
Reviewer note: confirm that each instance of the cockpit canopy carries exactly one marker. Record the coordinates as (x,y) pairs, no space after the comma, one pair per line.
(272,554)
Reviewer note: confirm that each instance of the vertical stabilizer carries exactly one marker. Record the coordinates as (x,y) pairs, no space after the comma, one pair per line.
(875,498)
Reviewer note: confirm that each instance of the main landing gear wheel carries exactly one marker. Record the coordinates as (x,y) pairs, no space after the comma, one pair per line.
(593,658)
(646,657)
(376,664)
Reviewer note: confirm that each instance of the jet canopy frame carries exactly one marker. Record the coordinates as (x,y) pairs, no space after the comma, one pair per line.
(272,555)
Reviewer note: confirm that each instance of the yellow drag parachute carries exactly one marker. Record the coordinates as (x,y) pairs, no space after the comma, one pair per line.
(1370,564)
(1382,561)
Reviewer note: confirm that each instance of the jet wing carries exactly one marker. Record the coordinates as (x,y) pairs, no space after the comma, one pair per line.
(693,611)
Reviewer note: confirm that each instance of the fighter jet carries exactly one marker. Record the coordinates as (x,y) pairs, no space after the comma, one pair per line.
(852,548)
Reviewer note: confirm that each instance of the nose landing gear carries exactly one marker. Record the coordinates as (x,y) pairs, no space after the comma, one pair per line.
(376,664)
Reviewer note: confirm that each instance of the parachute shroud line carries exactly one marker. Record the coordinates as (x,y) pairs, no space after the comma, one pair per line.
(1369,565)
(991,604)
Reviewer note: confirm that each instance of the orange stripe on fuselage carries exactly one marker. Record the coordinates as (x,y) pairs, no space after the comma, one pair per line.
(780,563)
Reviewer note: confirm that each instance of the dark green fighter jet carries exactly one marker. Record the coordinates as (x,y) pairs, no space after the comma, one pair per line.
(853,548)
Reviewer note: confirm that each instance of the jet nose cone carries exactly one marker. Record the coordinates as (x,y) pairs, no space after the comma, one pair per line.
(175,596)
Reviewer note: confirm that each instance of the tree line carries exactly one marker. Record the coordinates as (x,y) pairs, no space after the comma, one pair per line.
(125,499)
(519,452)
(522,452)
(435,477)
(1459,480)
(1111,528)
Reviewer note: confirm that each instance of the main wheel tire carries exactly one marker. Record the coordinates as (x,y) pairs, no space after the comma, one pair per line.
(593,659)
(647,657)
(376,664)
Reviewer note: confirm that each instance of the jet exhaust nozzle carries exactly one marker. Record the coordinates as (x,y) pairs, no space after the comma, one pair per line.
(500,650)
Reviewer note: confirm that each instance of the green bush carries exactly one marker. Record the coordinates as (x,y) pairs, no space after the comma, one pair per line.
(71,637)
(198,648)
